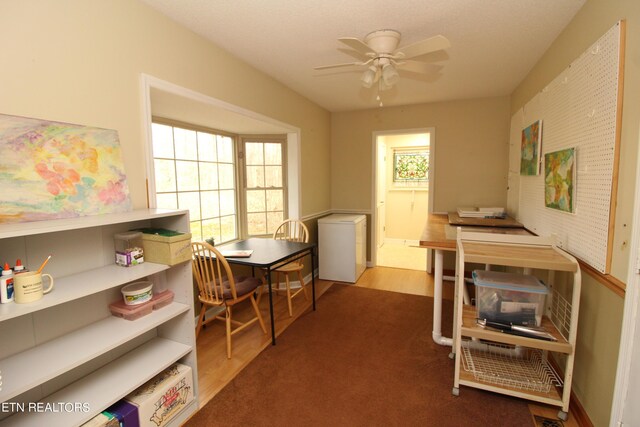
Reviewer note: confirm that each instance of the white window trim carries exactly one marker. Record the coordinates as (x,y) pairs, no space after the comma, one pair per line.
(148,82)
(242,170)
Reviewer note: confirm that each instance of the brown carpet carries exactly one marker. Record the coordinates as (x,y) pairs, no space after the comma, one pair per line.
(364,358)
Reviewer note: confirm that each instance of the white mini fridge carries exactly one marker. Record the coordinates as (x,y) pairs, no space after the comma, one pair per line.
(342,247)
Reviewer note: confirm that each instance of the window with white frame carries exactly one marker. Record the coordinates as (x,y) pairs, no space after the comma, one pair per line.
(196,169)
(265,184)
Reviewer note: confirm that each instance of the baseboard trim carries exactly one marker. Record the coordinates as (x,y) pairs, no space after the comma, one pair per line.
(577,410)
(404,242)
(575,406)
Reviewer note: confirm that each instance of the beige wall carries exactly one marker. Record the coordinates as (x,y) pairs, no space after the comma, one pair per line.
(471,149)
(601,310)
(80,61)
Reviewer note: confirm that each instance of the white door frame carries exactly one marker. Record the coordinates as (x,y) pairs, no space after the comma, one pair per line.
(374,194)
(622,402)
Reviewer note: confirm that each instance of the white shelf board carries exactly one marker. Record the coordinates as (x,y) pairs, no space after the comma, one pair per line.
(30,368)
(51,226)
(80,285)
(106,385)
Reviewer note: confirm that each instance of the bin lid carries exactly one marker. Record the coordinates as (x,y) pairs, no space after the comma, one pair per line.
(159,231)
(509,281)
(341,218)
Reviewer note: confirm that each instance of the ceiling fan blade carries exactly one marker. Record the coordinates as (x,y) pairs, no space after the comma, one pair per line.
(354,54)
(418,67)
(347,64)
(422,47)
(357,44)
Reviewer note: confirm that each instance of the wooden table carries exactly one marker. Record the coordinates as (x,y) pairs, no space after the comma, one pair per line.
(439,234)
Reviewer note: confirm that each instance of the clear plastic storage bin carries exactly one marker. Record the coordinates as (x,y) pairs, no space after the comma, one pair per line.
(509,297)
(129,248)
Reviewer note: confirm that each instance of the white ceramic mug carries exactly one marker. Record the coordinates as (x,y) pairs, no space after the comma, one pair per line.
(27,286)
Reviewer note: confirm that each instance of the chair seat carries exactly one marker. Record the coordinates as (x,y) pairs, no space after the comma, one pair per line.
(290,267)
(244,285)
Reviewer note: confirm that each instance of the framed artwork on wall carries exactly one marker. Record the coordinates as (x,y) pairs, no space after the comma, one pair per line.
(560,180)
(530,147)
(52,170)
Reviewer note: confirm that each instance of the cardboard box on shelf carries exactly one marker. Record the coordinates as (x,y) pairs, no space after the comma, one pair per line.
(125,412)
(165,246)
(164,396)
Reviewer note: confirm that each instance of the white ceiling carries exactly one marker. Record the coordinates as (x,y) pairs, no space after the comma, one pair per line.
(494,43)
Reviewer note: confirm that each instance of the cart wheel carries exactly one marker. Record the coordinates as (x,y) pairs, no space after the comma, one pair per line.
(452,355)
(563,415)
(455,391)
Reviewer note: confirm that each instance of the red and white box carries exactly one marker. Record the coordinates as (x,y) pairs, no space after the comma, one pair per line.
(164,396)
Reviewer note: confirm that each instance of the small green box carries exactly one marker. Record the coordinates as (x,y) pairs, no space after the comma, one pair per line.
(165,246)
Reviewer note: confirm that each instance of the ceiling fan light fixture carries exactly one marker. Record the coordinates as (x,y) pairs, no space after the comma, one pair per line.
(369,77)
(390,75)
(382,86)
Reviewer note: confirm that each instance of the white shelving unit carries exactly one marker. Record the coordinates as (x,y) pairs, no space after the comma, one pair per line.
(509,364)
(67,347)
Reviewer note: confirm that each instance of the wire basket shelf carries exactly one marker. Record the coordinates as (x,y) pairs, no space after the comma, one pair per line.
(503,366)
(560,314)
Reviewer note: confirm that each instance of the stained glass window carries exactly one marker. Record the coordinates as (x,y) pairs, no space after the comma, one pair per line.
(411,166)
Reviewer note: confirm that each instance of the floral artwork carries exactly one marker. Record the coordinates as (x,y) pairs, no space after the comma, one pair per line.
(51,170)
(411,166)
(559,180)
(530,146)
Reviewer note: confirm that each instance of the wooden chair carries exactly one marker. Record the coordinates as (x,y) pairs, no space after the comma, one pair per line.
(293,231)
(218,287)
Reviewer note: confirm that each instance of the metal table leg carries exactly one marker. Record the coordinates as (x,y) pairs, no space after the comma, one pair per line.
(273,325)
(313,282)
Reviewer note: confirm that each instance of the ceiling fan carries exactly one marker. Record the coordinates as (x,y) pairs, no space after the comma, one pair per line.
(380,53)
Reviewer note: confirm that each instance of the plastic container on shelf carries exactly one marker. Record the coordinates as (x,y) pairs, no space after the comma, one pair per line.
(162,299)
(137,292)
(509,297)
(129,248)
(133,312)
(130,312)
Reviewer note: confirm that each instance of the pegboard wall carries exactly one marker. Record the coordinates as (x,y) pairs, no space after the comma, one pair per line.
(578,109)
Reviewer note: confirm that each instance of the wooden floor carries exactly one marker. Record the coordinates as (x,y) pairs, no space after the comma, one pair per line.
(215,370)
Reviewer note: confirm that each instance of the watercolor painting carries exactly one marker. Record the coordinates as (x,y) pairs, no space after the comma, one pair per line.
(51,170)
(530,147)
(560,180)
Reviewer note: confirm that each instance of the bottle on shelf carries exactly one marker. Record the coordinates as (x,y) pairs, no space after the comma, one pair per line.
(19,268)
(6,285)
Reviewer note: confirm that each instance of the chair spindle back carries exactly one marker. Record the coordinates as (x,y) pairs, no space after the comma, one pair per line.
(211,271)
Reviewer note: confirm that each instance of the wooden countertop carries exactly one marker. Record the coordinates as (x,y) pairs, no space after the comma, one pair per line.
(434,234)
(507,222)
(438,233)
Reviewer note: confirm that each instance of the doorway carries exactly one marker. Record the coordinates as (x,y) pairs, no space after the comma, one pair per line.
(403,195)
